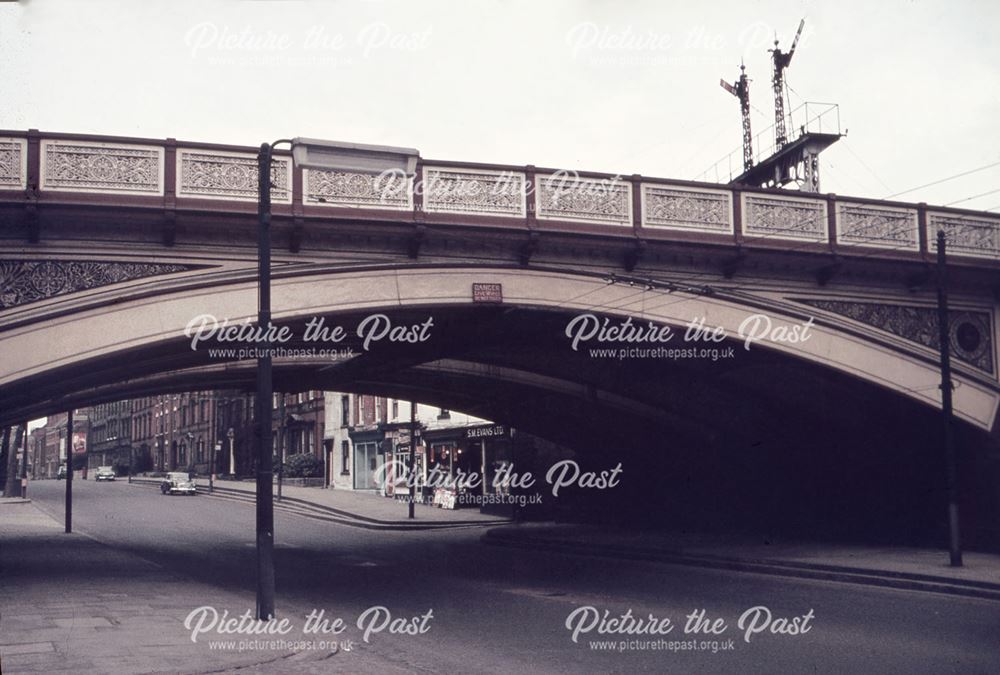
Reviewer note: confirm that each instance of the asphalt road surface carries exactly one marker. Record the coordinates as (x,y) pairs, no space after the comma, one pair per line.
(506,610)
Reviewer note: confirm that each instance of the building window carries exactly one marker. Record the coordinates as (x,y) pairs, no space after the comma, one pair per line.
(345,411)
(201,451)
(395,409)
(182,455)
(345,458)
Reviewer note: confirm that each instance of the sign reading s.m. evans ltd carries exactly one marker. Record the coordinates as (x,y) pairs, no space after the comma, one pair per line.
(487,431)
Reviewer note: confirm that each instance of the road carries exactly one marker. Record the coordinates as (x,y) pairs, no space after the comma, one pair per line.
(505,610)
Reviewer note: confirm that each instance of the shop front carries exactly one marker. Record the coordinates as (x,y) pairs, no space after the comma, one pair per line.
(470,458)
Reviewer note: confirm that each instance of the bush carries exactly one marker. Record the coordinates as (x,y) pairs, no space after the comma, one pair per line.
(120,466)
(303,466)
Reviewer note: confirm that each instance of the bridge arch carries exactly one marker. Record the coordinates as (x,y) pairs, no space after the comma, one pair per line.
(115,324)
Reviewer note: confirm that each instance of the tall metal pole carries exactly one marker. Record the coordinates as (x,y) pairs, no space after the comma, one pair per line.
(265,469)
(954,540)
(282,431)
(413,456)
(24,463)
(216,447)
(69,471)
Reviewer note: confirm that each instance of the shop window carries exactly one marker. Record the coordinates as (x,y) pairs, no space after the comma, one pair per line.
(345,458)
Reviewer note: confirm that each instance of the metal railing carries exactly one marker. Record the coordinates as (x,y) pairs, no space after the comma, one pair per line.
(813,117)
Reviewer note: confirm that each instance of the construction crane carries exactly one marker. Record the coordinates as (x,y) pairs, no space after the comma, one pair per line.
(741,90)
(781,61)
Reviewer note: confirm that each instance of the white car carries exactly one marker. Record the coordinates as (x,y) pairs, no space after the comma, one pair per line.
(104,473)
(178,483)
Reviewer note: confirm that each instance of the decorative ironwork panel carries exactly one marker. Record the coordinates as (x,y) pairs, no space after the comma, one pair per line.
(566,196)
(13,163)
(480,192)
(971,331)
(785,217)
(26,281)
(229,175)
(102,167)
(966,235)
(388,190)
(878,226)
(686,209)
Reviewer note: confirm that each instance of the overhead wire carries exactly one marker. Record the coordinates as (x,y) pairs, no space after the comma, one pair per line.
(945,180)
(981,194)
(843,141)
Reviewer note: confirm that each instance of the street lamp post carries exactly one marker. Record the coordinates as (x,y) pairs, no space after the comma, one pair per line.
(190,452)
(211,469)
(412,458)
(944,337)
(306,154)
(24,463)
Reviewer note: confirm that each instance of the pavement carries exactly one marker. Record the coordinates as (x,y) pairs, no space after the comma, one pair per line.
(355,508)
(891,567)
(72,604)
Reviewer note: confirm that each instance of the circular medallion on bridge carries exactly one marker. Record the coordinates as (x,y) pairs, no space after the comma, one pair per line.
(47,279)
(969,337)
(236,177)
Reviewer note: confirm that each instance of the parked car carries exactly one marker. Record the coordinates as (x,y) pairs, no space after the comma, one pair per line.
(178,483)
(61,473)
(104,473)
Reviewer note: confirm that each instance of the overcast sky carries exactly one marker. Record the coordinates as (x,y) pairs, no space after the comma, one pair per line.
(623,87)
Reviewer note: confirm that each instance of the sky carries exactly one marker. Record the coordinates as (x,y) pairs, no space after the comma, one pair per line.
(621,87)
